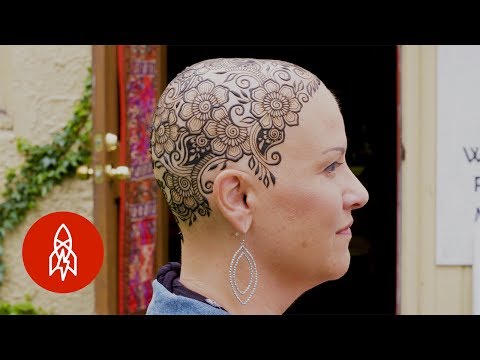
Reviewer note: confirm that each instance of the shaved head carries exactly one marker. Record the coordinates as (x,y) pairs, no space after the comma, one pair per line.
(260,147)
(221,112)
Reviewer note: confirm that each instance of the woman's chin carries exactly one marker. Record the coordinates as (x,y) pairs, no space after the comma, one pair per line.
(340,268)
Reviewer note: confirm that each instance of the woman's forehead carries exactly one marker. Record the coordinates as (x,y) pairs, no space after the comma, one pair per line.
(320,128)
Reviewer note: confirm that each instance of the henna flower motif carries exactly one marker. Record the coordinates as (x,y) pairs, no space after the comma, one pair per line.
(268,138)
(200,102)
(227,137)
(275,105)
(198,146)
(165,132)
(183,190)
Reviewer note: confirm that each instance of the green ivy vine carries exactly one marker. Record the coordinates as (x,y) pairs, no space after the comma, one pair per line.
(26,307)
(46,166)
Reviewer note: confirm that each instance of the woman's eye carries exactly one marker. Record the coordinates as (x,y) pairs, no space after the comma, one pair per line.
(332,167)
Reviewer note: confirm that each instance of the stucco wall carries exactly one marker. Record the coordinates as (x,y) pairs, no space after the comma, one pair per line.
(38,88)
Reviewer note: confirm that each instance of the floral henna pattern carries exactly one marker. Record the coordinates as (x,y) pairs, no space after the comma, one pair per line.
(219,111)
(200,102)
(165,132)
(228,138)
(275,105)
(185,196)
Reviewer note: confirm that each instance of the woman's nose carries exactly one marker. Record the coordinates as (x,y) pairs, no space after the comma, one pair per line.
(355,196)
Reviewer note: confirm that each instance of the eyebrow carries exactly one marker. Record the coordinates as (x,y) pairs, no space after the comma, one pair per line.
(336,148)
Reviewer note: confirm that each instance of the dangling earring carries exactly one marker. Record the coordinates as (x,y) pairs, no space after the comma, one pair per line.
(247,293)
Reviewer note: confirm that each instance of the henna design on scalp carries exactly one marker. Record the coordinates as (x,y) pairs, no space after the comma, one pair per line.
(219,111)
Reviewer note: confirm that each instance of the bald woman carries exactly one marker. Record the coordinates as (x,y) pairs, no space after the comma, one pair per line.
(250,156)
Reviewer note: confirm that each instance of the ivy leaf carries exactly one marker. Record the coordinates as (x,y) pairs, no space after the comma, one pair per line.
(23,146)
(7,224)
(14,217)
(60,142)
(10,174)
(16,196)
(47,161)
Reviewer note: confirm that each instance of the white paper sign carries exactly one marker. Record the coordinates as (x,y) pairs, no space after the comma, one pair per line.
(458,152)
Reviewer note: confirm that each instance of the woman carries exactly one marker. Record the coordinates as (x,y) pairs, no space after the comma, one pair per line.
(250,155)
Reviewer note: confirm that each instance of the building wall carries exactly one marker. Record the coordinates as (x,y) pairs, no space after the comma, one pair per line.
(425,288)
(38,88)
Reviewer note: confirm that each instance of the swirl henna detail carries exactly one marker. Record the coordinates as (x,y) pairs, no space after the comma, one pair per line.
(219,111)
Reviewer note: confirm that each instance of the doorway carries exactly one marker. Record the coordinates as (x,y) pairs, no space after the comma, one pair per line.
(364,79)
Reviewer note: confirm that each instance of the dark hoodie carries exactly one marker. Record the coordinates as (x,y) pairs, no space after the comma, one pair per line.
(170,297)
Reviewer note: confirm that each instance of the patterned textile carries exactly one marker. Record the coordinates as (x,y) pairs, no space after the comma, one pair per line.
(139,90)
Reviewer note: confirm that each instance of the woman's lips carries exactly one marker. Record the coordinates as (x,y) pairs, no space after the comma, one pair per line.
(347,231)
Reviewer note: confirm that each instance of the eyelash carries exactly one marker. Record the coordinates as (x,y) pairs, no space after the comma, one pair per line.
(334,165)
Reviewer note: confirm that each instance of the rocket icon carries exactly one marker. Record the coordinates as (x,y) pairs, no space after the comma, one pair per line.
(62,257)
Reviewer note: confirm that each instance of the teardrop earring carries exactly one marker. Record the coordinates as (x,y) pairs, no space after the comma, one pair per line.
(244,296)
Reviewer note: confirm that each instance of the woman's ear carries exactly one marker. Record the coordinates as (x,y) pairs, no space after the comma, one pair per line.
(231,190)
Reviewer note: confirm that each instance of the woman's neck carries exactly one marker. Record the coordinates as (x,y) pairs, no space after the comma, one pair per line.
(205,270)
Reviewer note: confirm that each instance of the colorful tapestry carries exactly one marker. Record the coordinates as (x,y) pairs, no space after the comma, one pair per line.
(139,91)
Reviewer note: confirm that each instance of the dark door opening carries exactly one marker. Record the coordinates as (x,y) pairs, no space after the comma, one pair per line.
(364,80)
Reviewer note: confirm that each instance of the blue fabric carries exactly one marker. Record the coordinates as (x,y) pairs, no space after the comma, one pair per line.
(166,303)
